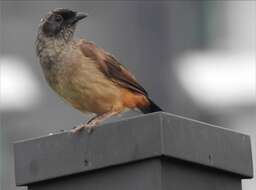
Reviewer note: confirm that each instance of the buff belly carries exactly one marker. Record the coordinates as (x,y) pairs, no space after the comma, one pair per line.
(86,88)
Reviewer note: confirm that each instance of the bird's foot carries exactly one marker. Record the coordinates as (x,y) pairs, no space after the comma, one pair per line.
(89,127)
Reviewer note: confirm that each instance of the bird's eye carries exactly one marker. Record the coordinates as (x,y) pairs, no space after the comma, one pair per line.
(58,18)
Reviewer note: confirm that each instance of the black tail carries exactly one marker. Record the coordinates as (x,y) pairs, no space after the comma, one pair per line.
(151,108)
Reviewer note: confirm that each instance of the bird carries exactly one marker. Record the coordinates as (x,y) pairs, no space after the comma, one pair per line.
(86,76)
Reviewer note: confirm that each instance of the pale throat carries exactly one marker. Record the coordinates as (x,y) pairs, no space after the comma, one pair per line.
(54,46)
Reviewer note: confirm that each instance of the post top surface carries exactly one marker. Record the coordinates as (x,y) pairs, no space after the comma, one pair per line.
(137,138)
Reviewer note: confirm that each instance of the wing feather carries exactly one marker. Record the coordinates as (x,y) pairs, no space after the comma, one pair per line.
(111,67)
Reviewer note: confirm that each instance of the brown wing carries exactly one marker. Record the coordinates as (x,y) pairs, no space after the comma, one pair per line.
(109,65)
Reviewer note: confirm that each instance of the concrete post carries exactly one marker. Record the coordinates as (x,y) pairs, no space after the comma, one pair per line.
(157,151)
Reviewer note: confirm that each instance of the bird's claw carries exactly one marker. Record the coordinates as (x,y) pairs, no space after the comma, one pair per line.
(88,127)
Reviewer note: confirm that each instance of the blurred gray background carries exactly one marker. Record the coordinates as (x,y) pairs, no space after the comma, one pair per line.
(195,58)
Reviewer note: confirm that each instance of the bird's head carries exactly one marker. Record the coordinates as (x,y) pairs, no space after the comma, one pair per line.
(60,23)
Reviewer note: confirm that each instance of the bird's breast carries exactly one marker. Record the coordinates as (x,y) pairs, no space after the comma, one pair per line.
(78,80)
(93,92)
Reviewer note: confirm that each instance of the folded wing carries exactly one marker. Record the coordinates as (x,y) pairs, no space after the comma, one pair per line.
(111,67)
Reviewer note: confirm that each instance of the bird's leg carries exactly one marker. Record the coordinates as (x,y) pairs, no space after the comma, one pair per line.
(95,121)
(82,126)
(92,118)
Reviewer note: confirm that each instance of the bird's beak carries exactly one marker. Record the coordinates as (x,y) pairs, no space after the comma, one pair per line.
(79,16)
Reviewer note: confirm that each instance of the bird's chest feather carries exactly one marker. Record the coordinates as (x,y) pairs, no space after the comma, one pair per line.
(53,67)
(77,79)
(97,93)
